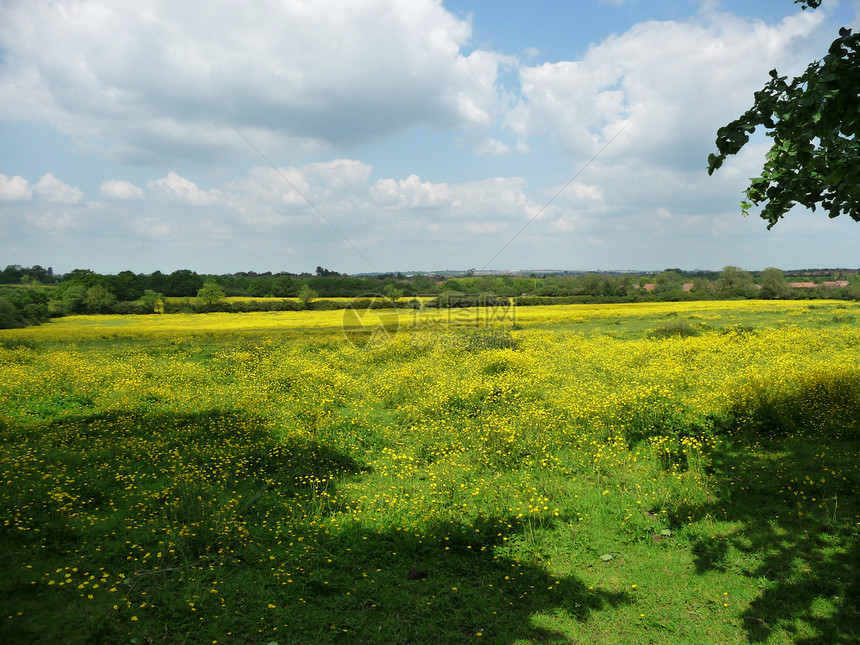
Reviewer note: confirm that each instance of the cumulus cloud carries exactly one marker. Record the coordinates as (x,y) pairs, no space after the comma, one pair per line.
(176,187)
(267,195)
(15,189)
(501,198)
(57,192)
(339,174)
(671,83)
(165,78)
(343,194)
(569,223)
(411,193)
(492,147)
(118,189)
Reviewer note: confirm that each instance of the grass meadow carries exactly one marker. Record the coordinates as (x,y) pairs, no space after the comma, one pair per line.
(647,473)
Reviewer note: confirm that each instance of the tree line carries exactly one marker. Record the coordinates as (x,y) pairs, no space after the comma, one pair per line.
(32,295)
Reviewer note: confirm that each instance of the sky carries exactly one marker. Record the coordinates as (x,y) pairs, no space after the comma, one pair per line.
(396,135)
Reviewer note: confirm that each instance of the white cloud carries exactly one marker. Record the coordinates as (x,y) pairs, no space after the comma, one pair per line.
(672,83)
(411,193)
(500,198)
(183,189)
(268,197)
(15,189)
(51,221)
(585,192)
(492,147)
(57,192)
(569,223)
(168,79)
(271,186)
(118,189)
(338,176)
(151,227)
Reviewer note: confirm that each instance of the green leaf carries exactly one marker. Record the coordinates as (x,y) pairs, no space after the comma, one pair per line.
(812,120)
(606,557)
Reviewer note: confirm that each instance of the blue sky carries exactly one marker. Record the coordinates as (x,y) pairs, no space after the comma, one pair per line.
(385,135)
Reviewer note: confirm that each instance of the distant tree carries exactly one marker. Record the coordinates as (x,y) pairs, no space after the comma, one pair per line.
(209,295)
(156,281)
(29,281)
(74,299)
(261,287)
(183,282)
(773,284)
(814,122)
(126,285)
(701,286)
(85,277)
(12,274)
(735,281)
(283,287)
(306,296)
(100,300)
(44,276)
(423,285)
(453,285)
(153,302)
(391,291)
(593,284)
(668,276)
(549,290)
(732,277)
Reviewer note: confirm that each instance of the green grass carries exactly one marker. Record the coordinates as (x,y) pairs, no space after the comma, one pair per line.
(270,490)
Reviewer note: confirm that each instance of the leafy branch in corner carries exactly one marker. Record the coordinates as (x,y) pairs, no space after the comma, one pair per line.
(813,121)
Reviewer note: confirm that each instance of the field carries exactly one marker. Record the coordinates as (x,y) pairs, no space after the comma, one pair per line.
(647,473)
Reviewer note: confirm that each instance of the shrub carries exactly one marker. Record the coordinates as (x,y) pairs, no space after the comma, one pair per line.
(673,330)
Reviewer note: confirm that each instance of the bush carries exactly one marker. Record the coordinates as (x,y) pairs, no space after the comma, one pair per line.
(10,317)
(673,330)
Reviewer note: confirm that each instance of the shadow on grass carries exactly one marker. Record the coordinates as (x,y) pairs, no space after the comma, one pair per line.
(445,586)
(793,496)
(203,527)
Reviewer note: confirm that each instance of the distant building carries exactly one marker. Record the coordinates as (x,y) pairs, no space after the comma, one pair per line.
(837,284)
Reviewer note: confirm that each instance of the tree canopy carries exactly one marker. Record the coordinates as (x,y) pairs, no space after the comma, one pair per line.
(814,122)
(210,294)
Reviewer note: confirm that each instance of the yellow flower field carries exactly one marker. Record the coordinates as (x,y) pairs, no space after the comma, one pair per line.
(147,457)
